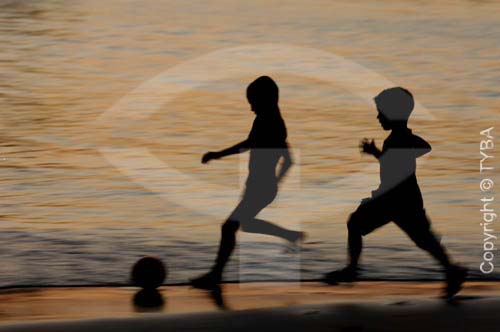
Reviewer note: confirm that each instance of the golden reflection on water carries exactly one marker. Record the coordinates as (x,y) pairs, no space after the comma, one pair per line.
(66,63)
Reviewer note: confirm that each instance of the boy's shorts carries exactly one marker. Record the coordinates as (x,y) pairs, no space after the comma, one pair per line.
(253,201)
(374,213)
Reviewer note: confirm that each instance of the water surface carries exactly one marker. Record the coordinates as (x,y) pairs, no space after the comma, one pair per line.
(68,215)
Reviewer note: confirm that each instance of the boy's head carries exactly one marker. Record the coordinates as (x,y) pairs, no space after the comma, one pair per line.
(263,92)
(394,106)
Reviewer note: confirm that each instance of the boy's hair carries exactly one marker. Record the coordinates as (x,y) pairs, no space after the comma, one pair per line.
(263,91)
(395,103)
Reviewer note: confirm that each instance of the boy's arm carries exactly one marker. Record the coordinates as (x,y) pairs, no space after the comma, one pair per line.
(287,163)
(235,149)
(369,147)
(421,147)
(377,153)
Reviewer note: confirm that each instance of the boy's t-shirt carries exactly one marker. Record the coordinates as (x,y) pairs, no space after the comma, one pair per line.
(398,165)
(267,140)
(268,131)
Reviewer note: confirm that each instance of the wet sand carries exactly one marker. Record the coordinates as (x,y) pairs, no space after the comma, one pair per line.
(363,306)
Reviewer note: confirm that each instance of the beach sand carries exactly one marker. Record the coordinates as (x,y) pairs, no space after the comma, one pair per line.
(362,306)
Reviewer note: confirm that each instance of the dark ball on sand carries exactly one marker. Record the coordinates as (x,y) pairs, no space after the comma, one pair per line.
(149,273)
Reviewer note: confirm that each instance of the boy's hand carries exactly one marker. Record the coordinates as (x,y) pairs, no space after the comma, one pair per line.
(366,200)
(368,147)
(209,156)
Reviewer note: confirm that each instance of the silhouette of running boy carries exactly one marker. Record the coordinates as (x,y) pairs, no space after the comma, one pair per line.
(267,144)
(398,197)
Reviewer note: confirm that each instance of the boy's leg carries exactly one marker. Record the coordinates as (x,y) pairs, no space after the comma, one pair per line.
(226,246)
(244,216)
(259,226)
(227,243)
(355,238)
(370,215)
(245,210)
(417,227)
(419,230)
(212,279)
(257,199)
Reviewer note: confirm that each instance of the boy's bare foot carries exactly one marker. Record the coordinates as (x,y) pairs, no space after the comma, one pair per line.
(347,274)
(209,281)
(455,277)
(299,238)
(295,241)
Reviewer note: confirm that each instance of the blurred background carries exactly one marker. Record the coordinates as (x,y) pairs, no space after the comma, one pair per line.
(69,216)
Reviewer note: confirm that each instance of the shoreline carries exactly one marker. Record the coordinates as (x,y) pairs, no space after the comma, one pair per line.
(76,309)
(236,282)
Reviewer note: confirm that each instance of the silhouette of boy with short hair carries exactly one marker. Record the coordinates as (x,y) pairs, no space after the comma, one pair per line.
(267,143)
(398,197)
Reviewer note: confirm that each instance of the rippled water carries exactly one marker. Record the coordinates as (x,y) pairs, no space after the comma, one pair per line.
(87,188)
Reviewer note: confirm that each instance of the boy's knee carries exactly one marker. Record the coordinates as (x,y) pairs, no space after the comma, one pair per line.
(353,224)
(247,226)
(420,243)
(230,226)
(426,240)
